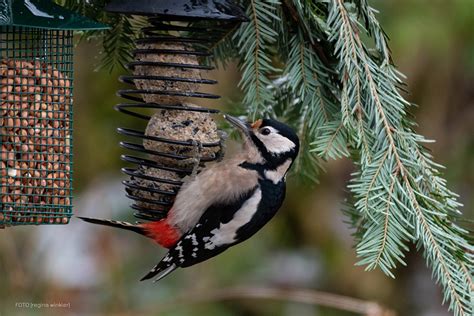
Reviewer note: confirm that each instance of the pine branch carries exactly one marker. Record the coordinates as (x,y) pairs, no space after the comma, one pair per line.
(304,296)
(309,82)
(332,141)
(254,41)
(367,13)
(225,49)
(412,211)
(118,44)
(304,16)
(286,107)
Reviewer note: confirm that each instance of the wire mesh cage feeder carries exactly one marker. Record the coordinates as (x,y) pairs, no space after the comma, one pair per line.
(36,82)
(170,64)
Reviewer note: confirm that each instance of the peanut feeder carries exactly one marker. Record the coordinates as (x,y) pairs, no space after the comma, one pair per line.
(36,82)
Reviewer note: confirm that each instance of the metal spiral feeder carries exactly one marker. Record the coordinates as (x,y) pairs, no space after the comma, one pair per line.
(171,60)
(36,83)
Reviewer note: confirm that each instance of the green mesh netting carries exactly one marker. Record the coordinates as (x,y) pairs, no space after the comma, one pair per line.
(36,71)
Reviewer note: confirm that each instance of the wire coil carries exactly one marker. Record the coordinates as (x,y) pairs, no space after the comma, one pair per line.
(165,73)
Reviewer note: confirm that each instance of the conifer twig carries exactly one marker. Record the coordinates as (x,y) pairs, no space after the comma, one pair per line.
(303,296)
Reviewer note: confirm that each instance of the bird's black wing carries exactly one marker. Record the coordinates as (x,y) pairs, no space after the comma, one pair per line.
(272,199)
(191,248)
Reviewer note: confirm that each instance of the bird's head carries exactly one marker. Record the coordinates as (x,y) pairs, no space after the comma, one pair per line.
(271,140)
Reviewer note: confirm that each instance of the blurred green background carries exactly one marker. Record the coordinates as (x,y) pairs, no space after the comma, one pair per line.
(308,245)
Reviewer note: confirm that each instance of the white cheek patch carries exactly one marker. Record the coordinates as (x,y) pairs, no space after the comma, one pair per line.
(276,143)
(277,175)
(226,233)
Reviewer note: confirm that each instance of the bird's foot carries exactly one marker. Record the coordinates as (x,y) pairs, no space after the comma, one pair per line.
(195,160)
(222,146)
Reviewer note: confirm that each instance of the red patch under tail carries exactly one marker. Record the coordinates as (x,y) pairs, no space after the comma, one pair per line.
(161,232)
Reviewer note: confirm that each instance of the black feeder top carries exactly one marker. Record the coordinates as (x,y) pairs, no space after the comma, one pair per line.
(226,10)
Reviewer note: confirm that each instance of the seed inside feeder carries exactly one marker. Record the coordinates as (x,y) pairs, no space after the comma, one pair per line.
(150,185)
(181,126)
(167,91)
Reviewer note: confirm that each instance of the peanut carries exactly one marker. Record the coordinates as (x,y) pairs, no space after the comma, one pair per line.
(35,141)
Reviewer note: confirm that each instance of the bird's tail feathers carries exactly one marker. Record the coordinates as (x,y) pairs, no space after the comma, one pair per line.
(160,231)
(119,224)
(160,270)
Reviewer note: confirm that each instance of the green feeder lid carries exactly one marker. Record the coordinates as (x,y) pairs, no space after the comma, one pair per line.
(44,14)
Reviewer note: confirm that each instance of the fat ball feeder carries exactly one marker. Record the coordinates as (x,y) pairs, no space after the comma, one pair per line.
(36,84)
(170,63)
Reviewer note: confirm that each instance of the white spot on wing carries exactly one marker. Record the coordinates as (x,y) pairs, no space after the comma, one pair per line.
(226,233)
(180,250)
(194,240)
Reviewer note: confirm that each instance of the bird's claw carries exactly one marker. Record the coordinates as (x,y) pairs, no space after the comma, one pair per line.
(195,160)
(222,147)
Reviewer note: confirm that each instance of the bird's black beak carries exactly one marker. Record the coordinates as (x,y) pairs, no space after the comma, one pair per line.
(241,125)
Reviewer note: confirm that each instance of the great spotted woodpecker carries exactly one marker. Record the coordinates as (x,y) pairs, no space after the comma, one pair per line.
(226,203)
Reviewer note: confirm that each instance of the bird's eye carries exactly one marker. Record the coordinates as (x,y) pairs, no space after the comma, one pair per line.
(265,131)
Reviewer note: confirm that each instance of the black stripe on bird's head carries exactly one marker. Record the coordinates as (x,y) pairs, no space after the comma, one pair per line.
(275,141)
